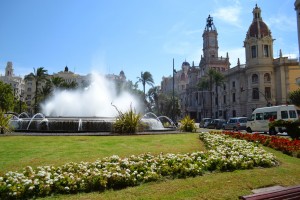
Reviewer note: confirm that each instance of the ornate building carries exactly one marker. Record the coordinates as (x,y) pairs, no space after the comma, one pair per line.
(210,59)
(262,81)
(16,82)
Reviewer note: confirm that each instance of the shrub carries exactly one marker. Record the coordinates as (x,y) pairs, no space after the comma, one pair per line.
(127,122)
(4,122)
(292,127)
(188,124)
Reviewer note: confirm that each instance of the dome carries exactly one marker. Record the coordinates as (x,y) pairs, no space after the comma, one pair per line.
(185,63)
(258,28)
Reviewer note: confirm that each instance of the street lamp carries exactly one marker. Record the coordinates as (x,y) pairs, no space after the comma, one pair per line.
(20,103)
(173,95)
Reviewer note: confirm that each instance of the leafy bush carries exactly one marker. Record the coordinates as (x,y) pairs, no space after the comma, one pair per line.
(292,127)
(188,124)
(4,122)
(127,122)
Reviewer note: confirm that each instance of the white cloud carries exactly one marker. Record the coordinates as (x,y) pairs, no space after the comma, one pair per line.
(290,55)
(282,23)
(229,14)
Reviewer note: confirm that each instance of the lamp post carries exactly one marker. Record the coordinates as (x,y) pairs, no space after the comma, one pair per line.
(173,94)
(20,103)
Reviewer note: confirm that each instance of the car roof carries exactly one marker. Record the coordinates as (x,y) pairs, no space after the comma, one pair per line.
(237,117)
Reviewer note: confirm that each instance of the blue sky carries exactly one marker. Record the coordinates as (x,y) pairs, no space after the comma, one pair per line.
(134,35)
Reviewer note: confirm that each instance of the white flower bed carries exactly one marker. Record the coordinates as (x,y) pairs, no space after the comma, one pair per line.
(113,172)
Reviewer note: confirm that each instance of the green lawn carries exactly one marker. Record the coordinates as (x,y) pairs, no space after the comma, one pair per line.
(17,152)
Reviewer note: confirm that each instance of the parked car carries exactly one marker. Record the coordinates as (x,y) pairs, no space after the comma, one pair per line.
(204,122)
(216,123)
(236,123)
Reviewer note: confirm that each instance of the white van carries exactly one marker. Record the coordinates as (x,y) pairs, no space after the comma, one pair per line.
(261,117)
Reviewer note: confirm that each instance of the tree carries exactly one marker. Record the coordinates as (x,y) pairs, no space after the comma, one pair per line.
(71,85)
(295,97)
(152,95)
(165,102)
(206,83)
(146,78)
(57,81)
(218,80)
(38,75)
(6,97)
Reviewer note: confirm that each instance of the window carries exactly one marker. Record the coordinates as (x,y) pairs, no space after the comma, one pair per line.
(254,78)
(266,50)
(253,51)
(292,114)
(243,120)
(267,78)
(224,87)
(268,115)
(216,101)
(259,116)
(233,97)
(28,89)
(284,114)
(268,92)
(252,117)
(255,93)
(224,99)
(233,83)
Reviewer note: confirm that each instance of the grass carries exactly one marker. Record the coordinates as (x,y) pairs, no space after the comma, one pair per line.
(17,152)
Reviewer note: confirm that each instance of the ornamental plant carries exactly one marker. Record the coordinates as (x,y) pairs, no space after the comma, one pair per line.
(286,145)
(127,122)
(224,154)
(188,124)
(292,127)
(4,122)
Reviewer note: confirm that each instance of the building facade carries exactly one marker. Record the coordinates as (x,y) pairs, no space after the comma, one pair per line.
(16,82)
(262,81)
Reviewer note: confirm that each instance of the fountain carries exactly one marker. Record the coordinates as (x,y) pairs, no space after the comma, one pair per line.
(85,110)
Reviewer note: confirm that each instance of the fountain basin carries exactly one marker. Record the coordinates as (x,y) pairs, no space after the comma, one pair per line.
(77,124)
(63,124)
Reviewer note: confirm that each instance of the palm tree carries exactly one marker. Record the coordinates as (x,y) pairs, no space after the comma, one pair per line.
(38,75)
(45,91)
(218,80)
(153,97)
(213,77)
(146,78)
(57,81)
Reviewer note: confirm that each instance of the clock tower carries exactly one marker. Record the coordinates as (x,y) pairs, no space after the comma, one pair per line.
(210,58)
(210,39)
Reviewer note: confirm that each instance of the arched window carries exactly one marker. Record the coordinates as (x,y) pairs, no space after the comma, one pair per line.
(254,78)
(267,78)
